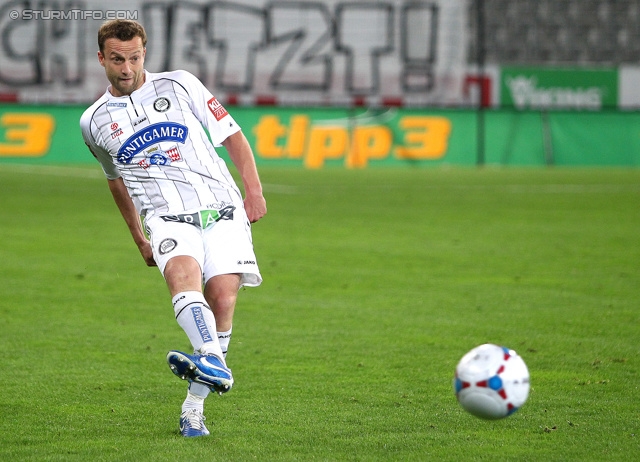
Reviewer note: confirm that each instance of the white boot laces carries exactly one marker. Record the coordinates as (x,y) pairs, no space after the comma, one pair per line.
(195,418)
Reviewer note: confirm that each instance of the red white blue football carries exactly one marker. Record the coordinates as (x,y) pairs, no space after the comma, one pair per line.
(491,382)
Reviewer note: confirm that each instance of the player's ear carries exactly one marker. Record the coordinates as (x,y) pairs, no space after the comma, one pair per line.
(101,58)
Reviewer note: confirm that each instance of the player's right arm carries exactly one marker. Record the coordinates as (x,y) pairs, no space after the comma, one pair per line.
(131,218)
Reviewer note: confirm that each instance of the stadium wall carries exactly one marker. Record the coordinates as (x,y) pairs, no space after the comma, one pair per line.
(359,137)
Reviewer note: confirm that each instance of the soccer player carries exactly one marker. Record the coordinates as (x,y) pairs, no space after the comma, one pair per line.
(148,133)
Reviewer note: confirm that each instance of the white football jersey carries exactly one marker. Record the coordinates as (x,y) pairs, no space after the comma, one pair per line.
(155,141)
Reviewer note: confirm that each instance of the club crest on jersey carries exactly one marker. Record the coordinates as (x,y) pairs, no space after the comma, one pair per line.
(216,108)
(162,104)
(148,136)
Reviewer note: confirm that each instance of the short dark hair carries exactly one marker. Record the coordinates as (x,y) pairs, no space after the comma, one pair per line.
(121,29)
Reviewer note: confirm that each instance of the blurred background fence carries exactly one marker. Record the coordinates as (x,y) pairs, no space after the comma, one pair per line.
(510,82)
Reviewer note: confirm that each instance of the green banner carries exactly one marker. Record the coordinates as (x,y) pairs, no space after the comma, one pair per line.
(359,138)
(309,137)
(317,137)
(42,134)
(544,88)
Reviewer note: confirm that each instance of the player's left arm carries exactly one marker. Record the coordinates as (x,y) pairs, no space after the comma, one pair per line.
(241,155)
(223,130)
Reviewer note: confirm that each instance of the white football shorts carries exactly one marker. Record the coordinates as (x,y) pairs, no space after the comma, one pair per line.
(224,248)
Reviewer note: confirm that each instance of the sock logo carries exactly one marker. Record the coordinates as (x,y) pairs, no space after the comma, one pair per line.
(201,324)
(182,297)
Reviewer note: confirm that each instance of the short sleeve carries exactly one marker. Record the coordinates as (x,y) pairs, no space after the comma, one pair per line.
(211,114)
(101,154)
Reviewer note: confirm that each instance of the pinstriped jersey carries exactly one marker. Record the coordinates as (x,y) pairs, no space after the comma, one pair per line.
(155,140)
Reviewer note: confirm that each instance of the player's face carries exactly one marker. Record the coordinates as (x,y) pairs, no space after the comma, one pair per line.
(124,64)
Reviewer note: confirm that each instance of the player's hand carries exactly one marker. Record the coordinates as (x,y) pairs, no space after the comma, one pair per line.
(147,253)
(255,206)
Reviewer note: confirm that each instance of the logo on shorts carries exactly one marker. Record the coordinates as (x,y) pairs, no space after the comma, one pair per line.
(202,219)
(167,246)
(246,262)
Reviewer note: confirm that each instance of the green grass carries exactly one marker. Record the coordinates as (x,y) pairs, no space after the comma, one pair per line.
(376,283)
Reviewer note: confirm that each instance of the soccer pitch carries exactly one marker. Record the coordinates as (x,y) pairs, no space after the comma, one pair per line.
(376,282)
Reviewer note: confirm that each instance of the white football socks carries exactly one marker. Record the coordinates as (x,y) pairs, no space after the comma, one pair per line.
(194,399)
(197,320)
(224,338)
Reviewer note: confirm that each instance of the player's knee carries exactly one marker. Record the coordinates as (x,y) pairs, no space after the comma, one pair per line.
(223,302)
(183,273)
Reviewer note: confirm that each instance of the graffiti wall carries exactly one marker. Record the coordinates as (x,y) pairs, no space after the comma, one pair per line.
(334,52)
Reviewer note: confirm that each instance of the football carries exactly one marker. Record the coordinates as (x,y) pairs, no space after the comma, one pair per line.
(491,382)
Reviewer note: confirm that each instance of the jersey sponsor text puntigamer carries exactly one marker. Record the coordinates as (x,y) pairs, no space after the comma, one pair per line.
(155,140)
